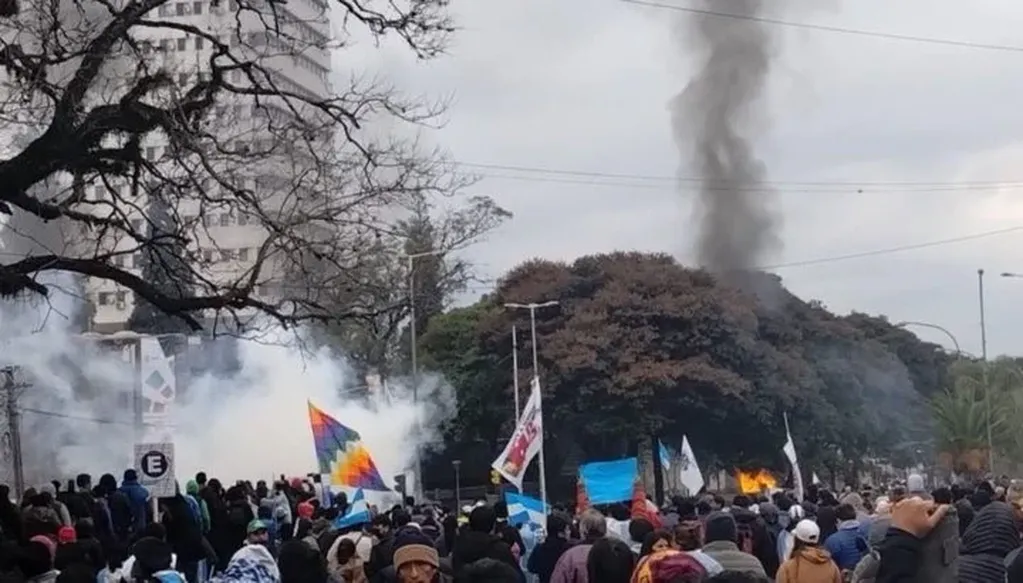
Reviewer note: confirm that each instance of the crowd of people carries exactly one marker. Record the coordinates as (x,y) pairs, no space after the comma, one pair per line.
(297,531)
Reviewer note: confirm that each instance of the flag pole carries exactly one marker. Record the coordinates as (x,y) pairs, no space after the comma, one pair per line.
(515,373)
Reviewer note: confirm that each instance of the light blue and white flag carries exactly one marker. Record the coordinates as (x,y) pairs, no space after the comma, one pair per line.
(524,509)
(358,512)
(665,454)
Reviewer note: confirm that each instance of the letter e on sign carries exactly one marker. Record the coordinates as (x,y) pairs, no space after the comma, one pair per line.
(155,464)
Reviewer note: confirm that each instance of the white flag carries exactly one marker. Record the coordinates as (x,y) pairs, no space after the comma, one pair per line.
(814,479)
(790,452)
(689,471)
(525,442)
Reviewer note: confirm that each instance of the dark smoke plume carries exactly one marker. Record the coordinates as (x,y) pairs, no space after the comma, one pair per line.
(714,120)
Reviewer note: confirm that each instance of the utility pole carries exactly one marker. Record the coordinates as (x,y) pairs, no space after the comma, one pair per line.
(533,307)
(12,389)
(415,361)
(987,386)
(515,372)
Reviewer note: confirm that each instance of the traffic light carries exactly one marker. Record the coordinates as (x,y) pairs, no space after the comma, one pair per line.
(495,477)
(399,484)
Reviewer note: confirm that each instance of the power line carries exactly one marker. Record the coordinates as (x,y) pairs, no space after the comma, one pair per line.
(58,415)
(897,249)
(696,179)
(763,188)
(834,29)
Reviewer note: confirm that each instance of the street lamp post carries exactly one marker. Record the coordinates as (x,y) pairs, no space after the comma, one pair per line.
(951,336)
(457,464)
(984,372)
(533,307)
(414,357)
(532,326)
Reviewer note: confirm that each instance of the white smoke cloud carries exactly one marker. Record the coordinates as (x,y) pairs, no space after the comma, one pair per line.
(77,415)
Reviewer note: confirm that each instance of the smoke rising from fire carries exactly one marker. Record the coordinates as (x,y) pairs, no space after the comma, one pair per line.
(714,121)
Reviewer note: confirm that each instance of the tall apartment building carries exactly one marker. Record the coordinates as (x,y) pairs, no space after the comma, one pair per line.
(297,55)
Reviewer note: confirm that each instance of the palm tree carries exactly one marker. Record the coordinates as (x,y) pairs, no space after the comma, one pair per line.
(961,414)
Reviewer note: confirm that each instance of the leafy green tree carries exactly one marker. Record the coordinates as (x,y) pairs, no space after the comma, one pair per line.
(640,345)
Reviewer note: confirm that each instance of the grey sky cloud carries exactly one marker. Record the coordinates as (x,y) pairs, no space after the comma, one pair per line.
(585,85)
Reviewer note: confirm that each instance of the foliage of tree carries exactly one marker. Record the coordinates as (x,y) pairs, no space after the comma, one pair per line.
(102,107)
(641,345)
(980,393)
(422,251)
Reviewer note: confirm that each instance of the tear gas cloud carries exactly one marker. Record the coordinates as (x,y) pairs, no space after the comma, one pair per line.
(714,122)
(245,421)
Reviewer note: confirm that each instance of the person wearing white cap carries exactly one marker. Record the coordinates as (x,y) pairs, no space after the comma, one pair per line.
(809,563)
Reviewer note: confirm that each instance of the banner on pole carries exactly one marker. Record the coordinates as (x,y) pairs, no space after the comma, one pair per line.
(790,452)
(689,471)
(525,442)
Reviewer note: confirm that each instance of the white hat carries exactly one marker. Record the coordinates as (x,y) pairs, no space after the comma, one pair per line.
(807,531)
(797,512)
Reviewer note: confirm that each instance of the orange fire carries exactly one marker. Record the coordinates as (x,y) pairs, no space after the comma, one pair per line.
(755,481)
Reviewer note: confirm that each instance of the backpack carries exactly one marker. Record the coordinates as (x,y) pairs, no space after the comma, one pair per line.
(939,555)
(866,569)
(237,515)
(744,538)
(121,514)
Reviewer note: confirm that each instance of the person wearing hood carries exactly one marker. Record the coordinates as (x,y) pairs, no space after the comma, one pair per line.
(154,562)
(848,544)
(809,563)
(344,565)
(751,525)
(192,492)
(63,514)
(479,542)
(252,563)
(138,497)
(990,538)
(39,517)
(35,560)
(721,545)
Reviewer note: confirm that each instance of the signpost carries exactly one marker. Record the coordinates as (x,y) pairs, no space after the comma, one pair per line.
(155,464)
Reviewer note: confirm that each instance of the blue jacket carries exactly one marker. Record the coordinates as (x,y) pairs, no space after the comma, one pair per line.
(138,496)
(847,545)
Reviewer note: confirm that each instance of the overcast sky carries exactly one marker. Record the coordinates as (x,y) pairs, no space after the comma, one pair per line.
(583,85)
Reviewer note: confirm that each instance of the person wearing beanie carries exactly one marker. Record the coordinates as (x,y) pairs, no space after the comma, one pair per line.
(809,563)
(415,558)
(721,535)
(137,497)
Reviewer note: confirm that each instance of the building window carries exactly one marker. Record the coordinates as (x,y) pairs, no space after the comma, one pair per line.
(183,79)
(136,224)
(209,220)
(227,255)
(120,297)
(243,254)
(197,7)
(104,298)
(182,42)
(207,255)
(180,8)
(136,261)
(199,41)
(225,220)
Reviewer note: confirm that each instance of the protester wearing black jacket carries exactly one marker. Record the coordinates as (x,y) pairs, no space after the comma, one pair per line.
(545,556)
(480,542)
